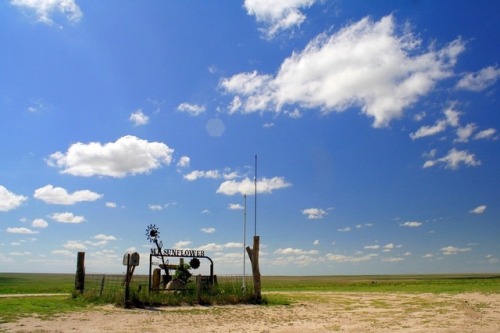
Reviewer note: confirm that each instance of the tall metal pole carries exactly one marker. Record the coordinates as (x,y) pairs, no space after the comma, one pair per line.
(244,239)
(255,190)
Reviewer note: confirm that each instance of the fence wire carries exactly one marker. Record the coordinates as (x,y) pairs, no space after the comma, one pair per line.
(112,286)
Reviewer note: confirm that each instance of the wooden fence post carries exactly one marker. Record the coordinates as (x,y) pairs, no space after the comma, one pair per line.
(253,254)
(80,272)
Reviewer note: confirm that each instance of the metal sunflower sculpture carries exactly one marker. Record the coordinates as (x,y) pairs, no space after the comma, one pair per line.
(153,234)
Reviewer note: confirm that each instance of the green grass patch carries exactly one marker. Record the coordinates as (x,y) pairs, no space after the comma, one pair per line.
(453,284)
(13,308)
(23,283)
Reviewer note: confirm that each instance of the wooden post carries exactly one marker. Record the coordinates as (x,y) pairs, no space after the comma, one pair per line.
(80,272)
(128,277)
(253,254)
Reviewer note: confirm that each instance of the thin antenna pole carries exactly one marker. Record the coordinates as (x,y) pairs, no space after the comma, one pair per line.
(244,239)
(255,190)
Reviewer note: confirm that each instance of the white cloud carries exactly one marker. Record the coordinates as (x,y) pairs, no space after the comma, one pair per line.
(278,15)
(64,253)
(129,155)
(21,231)
(155,207)
(220,247)
(59,195)
(183,162)
(314,213)
(208,230)
(194,175)
(339,258)
(74,245)
(449,250)
(191,109)
(39,223)
(138,118)
(454,159)
(372,247)
(346,229)
(366,64)
(388,247)
(412,224)
(46,8)
(292,251)
(67,218)
(246,186)
(485,134)
(478,210)
(9,200)
(428,255)
(104,237)
(182,244)
(451,119)
(479,80)
(316,242)
(464,133)
(393,259)
(233,206)
(110,204)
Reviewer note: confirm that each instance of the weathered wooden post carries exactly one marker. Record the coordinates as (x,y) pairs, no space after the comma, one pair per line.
(131,260)
(253,254)
(80,272)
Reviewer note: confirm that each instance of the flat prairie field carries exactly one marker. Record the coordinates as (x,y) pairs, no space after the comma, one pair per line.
(418,303)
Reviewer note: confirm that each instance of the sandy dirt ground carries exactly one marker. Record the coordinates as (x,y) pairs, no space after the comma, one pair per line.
(310,312)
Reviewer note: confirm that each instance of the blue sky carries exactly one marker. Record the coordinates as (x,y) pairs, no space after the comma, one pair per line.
(376,126)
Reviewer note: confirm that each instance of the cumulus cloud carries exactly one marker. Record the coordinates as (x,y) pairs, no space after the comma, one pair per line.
(44,9)
(366,64)
(191,109)
(233,206)
(454,159)
(67,218)
(372,247)
(278,15)
(393,259)
(21,231)
(478,210)
(220,247)
(292,251)
(183,162)
(485,134)
(104,237)
(339,258)
(59,195)
(138,118)
(208,230)
(65,253)
(129,155)
(451,118)
(246,186)
(449,250)
(465,132)
(181,244)
(314,213)
(479,80)
(155,207)
(196,174)
(39,223)
(110,204)
(9,200)
(74,245)
(412,224)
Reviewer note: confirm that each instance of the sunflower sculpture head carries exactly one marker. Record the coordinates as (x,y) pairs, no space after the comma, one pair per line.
(152,233)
